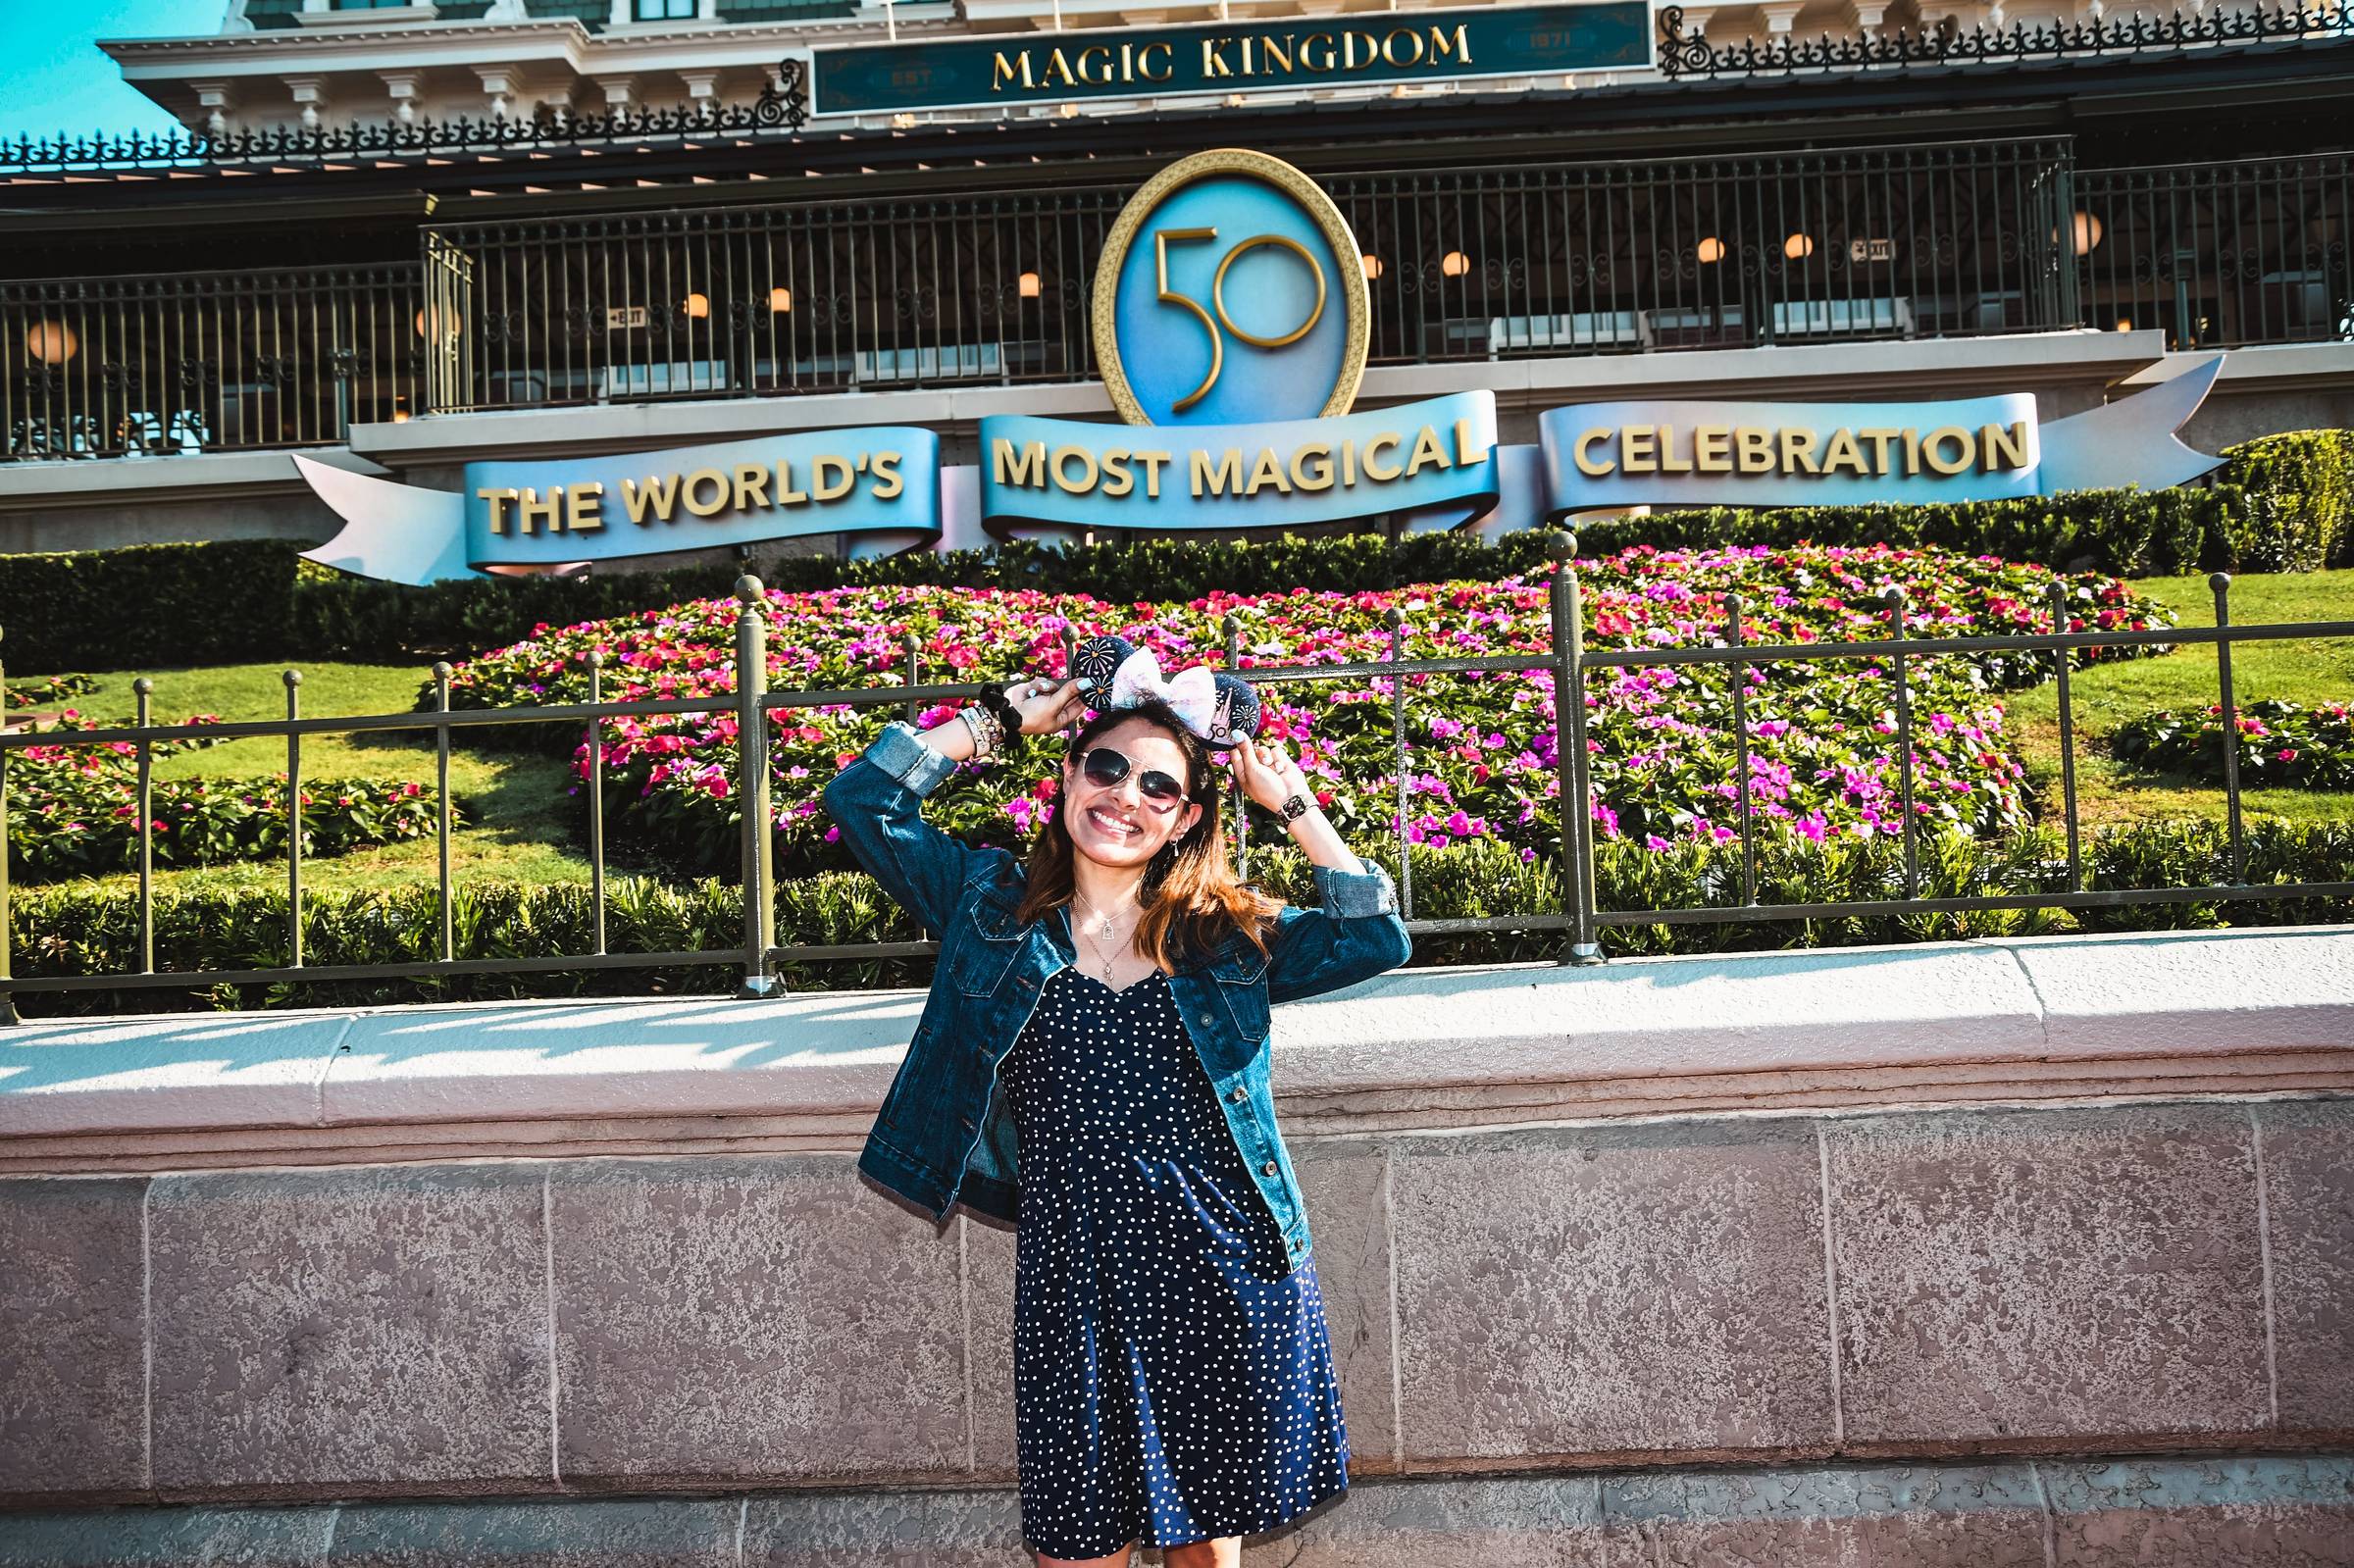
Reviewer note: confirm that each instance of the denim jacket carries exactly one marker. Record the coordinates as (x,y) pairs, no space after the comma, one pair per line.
(945,1132)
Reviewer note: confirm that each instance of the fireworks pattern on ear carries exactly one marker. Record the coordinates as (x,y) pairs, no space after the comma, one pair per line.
(1094,661)
(1239,715)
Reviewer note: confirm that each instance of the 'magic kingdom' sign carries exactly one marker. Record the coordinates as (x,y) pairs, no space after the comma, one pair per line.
(1232,321)
(1372,47)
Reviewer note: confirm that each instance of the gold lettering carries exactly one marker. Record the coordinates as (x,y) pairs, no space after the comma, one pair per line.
(1711,449)
(1464,456)
(1003,71)
(1094,51)
(1381,476)
(1348,465)
(531,509)
(1440,46)
(1797,451)
(1026,466)
(1152,461)
(1312,467)
(1117,481)
(1213,64)
(1270,51)
(1842,452)
(659,497)
(1315,52)
(497,501)
(1587,439)
(583,508)
(787,495)
(1427,452)
(884,467)
(1912,451)
(1225,478)
(1753,449)
(1965,450)
(1389,47)
(1635,452)
(1268,469)
(1882,439)
(752,486)
(1669,463)
(846,477)
(1144,61)
(720,491)
(2006,446)
(1349,58)
(1063,482)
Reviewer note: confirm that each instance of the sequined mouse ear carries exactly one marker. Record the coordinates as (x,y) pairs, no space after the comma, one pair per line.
(1238,716)
(1095,660)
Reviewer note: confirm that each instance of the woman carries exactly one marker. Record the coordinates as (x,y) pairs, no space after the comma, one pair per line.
(1093,1065)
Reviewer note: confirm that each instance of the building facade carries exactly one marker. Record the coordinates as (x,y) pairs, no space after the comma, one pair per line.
(403,237)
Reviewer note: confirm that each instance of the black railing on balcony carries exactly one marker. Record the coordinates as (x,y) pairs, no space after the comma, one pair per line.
(1957,239)
(206,362)
(2220,255)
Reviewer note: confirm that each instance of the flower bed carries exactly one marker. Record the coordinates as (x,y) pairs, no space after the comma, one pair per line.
(74,811)
(2283,744)
(44,690)
(1481,763)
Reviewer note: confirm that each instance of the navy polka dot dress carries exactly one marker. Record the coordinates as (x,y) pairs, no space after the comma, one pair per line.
(1163,1389)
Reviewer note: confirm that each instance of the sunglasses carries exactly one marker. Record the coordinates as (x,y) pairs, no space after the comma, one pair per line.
(1104,766)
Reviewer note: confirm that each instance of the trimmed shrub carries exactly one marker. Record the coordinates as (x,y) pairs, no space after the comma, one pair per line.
(222,602)
(2300,486)
(2283,744)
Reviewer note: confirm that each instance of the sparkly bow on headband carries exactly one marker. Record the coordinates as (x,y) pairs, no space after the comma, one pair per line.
(1220,707)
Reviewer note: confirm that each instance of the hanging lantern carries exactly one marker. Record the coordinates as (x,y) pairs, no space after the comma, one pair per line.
(51,342)
(1710,251)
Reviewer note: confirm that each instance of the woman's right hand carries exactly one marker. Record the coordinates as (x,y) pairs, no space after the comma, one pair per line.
(1045,705)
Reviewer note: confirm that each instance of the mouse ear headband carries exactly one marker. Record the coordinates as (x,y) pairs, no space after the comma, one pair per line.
(1217,706)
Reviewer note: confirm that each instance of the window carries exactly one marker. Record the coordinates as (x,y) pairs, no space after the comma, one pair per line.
(369,5)
(662,10)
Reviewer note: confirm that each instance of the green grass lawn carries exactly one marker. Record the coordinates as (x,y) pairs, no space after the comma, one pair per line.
(517,820)
(2304,669)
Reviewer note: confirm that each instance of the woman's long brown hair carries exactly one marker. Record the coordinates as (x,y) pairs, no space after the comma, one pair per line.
(1192,900)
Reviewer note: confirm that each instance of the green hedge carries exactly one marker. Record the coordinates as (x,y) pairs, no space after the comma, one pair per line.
(181,604)
(222,602)
(66,931)
(2301,489)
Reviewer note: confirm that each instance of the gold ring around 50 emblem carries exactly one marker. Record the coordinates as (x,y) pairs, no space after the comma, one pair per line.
(1217,291)
(1356,300)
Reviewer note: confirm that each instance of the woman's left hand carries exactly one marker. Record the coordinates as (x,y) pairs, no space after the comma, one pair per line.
(1270,774)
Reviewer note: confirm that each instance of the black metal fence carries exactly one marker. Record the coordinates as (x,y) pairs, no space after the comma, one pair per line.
(2220,255)
(755,708)
(206,362)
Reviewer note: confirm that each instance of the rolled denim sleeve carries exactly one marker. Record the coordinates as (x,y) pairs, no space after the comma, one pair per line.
(1355,933)
(876,801)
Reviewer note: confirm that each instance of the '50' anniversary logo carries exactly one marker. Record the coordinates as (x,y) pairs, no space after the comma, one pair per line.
(1230,292)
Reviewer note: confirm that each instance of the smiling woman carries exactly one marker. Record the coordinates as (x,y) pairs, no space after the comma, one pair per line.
(1174,1377)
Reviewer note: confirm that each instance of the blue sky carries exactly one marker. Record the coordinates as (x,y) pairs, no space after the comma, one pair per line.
(52,76)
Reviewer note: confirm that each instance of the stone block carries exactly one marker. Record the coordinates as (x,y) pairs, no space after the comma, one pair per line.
(886,1530)
(988,1344)
(377,1325)
(752,1316)
(1347,1191)
(2048,1275)
(2203,1513)
(2309,1192)
(72,1329)
(1448,1522)
(1587,1292)
(167,1537)
(561,1533)
(1897,1517)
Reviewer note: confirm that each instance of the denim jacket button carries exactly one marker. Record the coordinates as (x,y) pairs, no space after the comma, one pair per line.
(1267,1169)
(1237,1095)
(1294,1244)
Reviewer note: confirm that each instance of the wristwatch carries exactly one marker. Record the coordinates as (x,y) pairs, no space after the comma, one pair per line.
(1294,806)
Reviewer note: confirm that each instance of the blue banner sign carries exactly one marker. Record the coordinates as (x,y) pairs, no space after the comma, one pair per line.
(1425,457)
(1293,55)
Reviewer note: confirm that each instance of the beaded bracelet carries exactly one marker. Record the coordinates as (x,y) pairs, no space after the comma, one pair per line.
(983,725)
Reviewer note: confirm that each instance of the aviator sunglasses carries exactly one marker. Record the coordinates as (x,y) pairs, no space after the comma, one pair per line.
(1104,766)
